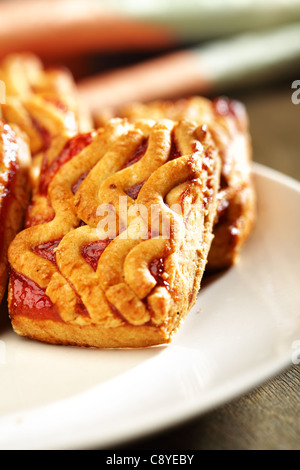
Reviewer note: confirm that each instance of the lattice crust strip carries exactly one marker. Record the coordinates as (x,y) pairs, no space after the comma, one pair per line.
(117,237)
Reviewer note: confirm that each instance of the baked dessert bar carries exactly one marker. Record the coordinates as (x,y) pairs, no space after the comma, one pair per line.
(42,102)
(14,191)
(227,122)
(118,258)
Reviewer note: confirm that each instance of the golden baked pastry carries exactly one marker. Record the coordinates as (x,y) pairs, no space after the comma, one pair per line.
(43,103)
(117,236)
(227,122)
(14,191)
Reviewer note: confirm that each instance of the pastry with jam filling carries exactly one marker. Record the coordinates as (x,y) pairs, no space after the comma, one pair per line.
(14,191)
(42,102)
(227,121)
(117,236)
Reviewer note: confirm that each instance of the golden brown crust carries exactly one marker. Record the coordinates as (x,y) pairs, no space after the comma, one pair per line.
(26,77)
(14,191)
(43,103)
(160,182)
(228,124)
(91,335)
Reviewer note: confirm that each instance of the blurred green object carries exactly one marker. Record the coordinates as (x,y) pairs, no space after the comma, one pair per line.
(205,19)
(252,58)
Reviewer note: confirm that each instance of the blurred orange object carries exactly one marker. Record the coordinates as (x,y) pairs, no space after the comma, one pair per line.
(173,75)
(58,28)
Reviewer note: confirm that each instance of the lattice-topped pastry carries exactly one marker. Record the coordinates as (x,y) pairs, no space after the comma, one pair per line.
(42,102)
(117,236)
(228,124)
(14,191)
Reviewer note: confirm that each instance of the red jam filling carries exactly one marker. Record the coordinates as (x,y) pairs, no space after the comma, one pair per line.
(80,308)
(93,251)
(157,269)
(175,152)
(138,154)
(29,300)
(76,186)
(135,190)
(44,133)
(47,250)
(71,149)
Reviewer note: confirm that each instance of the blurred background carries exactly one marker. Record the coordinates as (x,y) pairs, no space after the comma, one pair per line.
(127,50)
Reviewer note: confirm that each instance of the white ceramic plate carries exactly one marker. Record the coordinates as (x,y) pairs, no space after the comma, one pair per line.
(242,331)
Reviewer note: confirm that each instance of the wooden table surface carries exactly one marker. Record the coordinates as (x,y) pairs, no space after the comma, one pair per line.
(268,418)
